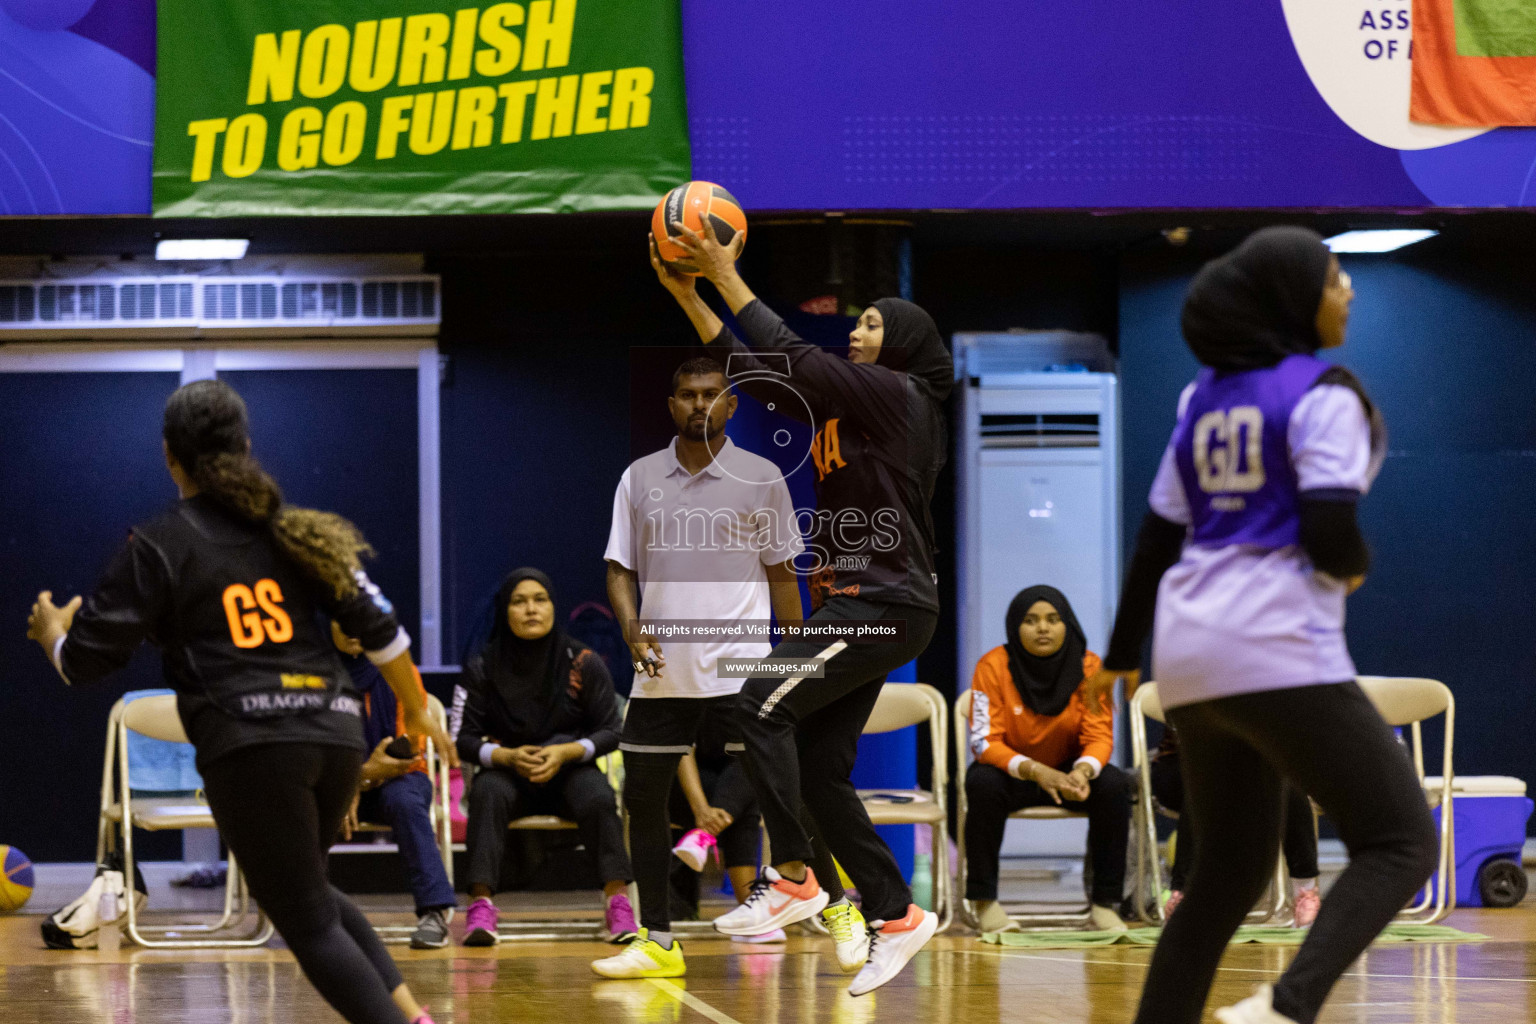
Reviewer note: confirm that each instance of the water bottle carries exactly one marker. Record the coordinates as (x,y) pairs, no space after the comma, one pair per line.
(922,880)
(109,934)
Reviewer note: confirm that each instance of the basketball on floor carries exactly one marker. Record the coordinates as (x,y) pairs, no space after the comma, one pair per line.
(15,879)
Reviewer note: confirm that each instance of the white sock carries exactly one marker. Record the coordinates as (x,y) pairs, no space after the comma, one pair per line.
(662,939)
(836,903)
(1298,884)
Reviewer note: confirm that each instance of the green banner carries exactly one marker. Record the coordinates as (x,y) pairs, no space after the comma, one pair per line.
(1495,28)
(378,107)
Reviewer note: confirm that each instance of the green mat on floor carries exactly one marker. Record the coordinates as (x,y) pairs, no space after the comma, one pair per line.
(1272,936)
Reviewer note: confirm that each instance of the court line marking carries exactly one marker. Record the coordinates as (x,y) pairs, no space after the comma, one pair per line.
(692,1001)
(1235,970)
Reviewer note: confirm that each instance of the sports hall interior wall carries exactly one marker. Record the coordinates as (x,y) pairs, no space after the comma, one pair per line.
(1441,334)
(537,422)
(537,427)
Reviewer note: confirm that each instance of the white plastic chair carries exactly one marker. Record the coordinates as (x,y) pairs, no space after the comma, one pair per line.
(1406,701)
(901,705)
(121,812)
(1080,914)
(1148,884)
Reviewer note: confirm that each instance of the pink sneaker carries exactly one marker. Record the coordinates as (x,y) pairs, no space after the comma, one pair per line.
(1307,903)
(1172,903)
(480,923)
(620,919)
(693,849)
(425,1018)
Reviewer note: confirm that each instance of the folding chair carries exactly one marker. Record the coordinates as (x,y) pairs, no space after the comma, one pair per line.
(1407,702)
(901,705)
(437,773)
(1074,918)
(1148,884)
(121,812)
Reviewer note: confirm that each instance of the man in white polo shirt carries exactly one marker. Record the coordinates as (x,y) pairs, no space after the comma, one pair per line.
(704,532)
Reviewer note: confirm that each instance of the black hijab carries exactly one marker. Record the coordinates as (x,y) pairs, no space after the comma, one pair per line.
(913,345)
(526,674)
(1258,304)
(1046,684)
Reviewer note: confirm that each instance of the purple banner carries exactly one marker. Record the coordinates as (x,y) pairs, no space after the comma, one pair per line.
(904,104)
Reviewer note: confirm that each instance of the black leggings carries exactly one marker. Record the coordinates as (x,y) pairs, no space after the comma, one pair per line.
(580,793)
(991,795)
(1298,841)
(802,739)
(279,807)
(1238,752)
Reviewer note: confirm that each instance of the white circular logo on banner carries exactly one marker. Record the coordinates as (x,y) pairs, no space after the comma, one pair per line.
(1356,53)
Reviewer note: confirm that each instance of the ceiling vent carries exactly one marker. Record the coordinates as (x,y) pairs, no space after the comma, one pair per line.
(190,306)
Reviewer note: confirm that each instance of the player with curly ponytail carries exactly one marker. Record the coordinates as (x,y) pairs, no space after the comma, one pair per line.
(207,432)
(236,588)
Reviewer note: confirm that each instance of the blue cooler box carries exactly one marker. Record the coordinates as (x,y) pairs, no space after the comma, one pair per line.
(1491,812)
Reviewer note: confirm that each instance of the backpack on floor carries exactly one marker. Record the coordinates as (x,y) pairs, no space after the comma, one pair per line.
(75,926)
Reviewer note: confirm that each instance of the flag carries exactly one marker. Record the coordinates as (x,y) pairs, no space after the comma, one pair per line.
(1474,62)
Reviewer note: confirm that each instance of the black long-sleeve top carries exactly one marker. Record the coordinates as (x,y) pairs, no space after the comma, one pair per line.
(584,709)
(880,442)
(244,632)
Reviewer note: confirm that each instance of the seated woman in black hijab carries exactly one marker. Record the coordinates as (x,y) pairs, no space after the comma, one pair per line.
(1036,743)
(538,708)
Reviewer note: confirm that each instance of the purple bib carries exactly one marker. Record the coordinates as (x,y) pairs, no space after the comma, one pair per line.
(1233,454)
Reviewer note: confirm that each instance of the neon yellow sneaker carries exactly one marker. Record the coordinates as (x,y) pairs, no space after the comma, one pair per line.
(643,958)
(849,934)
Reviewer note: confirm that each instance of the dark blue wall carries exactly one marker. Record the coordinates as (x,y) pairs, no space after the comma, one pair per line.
(1446,343)
(76,445)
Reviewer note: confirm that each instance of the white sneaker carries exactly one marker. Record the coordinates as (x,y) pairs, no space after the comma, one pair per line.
(1258,1008)
(850,935)
(891,945)
(777,935)
(774,902)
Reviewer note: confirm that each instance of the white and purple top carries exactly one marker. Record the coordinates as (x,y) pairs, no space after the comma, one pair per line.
(1243,611)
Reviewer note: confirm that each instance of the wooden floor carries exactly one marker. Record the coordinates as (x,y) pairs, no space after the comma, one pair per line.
(957,979)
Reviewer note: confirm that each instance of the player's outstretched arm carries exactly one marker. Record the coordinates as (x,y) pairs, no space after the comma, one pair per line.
(683,289)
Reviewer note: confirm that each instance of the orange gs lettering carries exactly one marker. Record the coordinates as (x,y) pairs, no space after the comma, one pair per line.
(247,628)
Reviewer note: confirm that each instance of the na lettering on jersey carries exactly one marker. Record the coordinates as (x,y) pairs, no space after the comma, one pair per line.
(826,450)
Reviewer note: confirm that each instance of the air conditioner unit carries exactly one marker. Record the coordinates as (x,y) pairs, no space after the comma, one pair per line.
(212,306)
(1038,499)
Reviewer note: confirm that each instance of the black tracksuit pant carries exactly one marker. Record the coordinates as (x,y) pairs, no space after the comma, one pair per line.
(580,792)
(1298,840)
(802,738)
(991,794)
(279,806)
(1330,742)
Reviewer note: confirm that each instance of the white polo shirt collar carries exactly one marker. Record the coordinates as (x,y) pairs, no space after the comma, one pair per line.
(714,468)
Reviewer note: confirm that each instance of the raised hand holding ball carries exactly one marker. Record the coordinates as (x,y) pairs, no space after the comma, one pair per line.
(692,206)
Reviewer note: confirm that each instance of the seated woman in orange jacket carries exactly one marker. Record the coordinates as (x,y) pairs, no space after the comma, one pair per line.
(1036,743)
